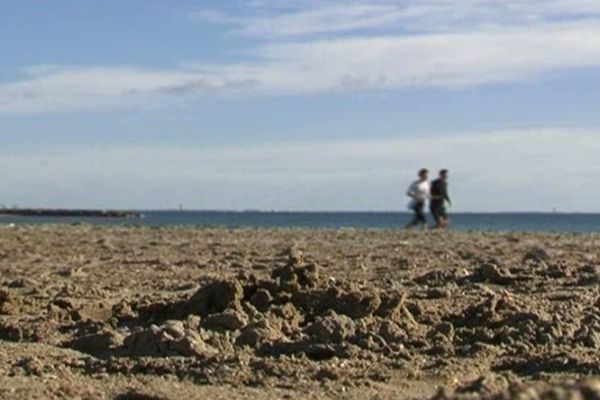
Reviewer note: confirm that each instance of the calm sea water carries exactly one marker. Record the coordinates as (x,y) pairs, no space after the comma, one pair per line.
(333,220)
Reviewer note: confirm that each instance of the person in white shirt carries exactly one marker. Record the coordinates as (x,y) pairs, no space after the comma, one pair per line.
(419,192)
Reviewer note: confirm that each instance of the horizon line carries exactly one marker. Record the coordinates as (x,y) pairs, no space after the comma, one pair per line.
(283,211)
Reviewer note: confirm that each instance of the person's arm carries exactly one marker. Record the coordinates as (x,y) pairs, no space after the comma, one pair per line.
(411,191)
(446,196)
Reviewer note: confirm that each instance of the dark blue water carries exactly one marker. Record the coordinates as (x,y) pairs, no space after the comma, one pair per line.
(333,220)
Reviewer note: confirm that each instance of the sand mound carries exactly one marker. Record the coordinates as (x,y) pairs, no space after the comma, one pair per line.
(502,320)
(299,310)
(170,339)
(9,302)
(483,388)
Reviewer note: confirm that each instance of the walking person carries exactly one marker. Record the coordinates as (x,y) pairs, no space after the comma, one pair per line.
(439,197)
(419,192)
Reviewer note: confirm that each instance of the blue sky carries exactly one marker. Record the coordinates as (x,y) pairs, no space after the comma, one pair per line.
(306,105)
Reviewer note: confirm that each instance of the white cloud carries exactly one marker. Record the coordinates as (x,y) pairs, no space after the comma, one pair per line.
(383,62)
(515,170)
(299,18)
(381,44)
(337,18)
(445,60)
(56,88)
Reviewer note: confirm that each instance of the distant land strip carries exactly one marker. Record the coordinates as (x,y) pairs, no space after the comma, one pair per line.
(41,212)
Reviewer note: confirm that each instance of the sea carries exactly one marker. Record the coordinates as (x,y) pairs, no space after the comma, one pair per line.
(531,222)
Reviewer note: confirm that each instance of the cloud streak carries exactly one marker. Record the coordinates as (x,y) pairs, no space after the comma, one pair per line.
(491,171)
(59,88)
(388,62)
(302,18)
(379,45)
(328,19)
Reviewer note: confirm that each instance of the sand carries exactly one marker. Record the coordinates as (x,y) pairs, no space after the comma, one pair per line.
(177,313)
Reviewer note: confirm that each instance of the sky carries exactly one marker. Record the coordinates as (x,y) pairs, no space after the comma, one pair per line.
(299,104)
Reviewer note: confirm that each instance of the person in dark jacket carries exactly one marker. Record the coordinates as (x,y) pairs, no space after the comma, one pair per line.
(439,197)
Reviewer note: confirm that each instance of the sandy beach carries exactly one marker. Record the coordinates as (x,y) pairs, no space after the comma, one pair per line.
(179,313)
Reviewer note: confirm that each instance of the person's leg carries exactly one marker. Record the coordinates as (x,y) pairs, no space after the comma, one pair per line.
(436,216)
(420,214)
(439,222)
(416,219)
(444,221)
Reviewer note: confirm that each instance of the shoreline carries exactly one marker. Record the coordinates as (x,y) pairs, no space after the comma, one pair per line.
(459,222)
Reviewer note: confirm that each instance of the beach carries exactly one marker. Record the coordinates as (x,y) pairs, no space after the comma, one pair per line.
(98,312)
